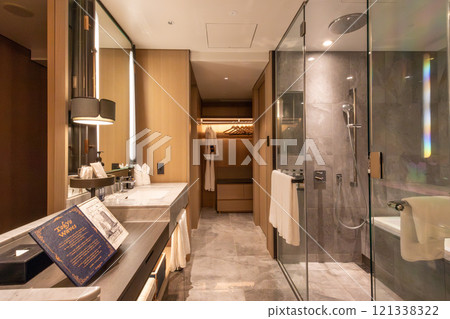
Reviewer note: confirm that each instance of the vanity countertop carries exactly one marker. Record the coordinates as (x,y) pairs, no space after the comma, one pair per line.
(149,214)
(117,279)
(153,195)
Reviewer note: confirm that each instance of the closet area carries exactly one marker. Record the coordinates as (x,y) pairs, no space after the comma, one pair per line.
(236,181)
(226,128)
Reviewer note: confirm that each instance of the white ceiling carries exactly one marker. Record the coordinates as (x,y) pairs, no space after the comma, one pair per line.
(219,32)
(29,32)
(260,23)
(110,35)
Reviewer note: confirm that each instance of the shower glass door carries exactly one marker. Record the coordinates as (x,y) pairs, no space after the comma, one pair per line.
(289,124)
(410,135)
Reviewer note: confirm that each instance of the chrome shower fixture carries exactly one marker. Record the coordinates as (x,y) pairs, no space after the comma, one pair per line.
(348,23)
(347,108)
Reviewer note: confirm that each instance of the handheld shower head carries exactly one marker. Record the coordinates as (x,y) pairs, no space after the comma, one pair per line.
(347,108)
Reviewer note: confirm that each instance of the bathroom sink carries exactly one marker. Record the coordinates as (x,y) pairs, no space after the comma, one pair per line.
(142,195)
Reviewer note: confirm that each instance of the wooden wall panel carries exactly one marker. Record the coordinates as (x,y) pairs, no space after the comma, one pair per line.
(269,108)
(57,106)
(195,171)
(262,104)
(262,168)
(23,123)
(115,86)
(161,73)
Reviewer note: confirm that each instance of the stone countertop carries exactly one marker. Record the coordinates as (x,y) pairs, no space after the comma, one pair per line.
(117,274)
(149,213)
(153,195)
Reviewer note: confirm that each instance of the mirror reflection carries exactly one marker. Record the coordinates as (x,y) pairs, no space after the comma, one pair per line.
(102,67)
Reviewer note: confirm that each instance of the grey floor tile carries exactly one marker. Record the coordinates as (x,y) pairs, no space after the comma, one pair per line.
(229,261)
(216,295)
(270,295)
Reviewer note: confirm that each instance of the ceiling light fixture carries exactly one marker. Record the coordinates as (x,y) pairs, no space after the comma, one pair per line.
(170,22)
(350,77)
(311,59)
(327,43)
(225,78)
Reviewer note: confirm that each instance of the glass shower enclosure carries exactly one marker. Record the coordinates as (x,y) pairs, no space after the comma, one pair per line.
(290,129)
(362,87)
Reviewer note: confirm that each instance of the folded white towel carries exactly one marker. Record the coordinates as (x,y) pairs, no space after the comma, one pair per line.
(146,174)
(184,231)
(284,211)
(425,223)
(99,171)
(138,175)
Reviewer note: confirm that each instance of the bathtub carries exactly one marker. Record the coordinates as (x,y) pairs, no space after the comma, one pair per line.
(391,224)
(420,280)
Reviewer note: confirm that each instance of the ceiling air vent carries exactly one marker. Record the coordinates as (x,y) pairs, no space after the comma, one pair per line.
(230,35)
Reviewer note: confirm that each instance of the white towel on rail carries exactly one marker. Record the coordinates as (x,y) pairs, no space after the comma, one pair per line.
(180,246)
(284,211)
(424,225)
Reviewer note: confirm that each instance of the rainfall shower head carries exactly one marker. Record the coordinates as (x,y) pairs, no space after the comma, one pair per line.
(348,23)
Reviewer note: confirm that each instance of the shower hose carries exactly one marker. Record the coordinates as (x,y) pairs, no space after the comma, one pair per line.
(339,190)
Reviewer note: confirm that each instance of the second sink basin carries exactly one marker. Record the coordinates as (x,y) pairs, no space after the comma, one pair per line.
(143,195)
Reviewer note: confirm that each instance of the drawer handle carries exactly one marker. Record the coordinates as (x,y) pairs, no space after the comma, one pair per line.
(149,256)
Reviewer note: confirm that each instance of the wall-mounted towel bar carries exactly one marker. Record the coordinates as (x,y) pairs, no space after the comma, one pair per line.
(398,204)
(298,179)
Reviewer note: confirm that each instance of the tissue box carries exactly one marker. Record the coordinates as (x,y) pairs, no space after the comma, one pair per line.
(20,264)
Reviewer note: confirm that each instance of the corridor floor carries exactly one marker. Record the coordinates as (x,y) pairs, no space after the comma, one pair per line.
(229,261)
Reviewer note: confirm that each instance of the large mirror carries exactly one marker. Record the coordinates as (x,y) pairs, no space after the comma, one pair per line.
(102,67)
(116,83)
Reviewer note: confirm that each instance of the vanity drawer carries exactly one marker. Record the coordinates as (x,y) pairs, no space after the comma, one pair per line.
(248,191)
(242,205)
(140,278)
(230,191)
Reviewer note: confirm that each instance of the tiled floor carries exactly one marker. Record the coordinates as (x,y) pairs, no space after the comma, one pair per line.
(229,261)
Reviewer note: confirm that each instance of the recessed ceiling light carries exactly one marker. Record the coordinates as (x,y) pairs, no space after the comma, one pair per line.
(18,10)
(311,59)
(170,22)
(408,77)
(350,77)
(233,13)
(327,43)
(225,78)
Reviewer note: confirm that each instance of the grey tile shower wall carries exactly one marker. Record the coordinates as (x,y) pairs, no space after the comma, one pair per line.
(328,81)
(398,122)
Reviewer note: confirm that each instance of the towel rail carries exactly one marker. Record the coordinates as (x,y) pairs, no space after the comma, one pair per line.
(398,205)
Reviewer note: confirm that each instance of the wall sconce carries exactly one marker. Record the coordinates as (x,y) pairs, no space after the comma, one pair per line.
(90,111)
